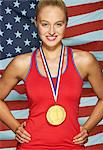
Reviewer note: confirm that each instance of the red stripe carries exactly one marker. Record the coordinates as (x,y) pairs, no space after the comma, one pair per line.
(17,105)
(92,46)
(84,8)
(8,143)
(96,130)
(95,147)
(87,112)
(20,88)
(4,127)
(88,92)
(83,28)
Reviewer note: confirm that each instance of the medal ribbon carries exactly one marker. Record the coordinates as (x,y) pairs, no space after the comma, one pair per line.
(54,89)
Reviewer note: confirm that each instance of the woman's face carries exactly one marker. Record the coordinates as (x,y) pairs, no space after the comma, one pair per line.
(51,24)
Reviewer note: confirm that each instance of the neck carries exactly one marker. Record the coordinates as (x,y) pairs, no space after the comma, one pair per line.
(52,52)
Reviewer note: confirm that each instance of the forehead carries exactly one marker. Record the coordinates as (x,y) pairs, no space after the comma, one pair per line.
(51,13)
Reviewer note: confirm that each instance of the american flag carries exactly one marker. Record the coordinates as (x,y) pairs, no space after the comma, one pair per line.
(18,35)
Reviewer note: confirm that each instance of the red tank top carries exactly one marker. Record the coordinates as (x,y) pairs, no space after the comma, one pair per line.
(40,98)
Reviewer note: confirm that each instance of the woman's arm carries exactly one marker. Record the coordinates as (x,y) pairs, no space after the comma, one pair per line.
(9,79)
(95,77)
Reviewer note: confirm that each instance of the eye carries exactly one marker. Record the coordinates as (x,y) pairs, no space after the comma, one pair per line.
(59,24)
(44,24)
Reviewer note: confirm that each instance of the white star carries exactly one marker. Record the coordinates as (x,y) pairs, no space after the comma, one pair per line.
(32,20)
(17,19)
(16,4)
(9,55)
(1,18)
(34,34)
(1,48)
(8,26)
(9,41)
(33,49)
(27,42)
(0,3)
(32,6)
(18,34)
(8,11)
(1,33)
(18,49)
(26,27)
(24,12)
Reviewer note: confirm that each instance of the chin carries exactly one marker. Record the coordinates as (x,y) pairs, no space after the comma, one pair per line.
(52,43)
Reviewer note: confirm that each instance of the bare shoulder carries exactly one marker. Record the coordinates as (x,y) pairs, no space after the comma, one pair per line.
(85,62)
(19,65)
(85,58)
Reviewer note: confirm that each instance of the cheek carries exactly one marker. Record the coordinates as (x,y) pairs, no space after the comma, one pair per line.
(41,31)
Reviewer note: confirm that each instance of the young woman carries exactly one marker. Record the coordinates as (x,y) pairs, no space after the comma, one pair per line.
(53,87)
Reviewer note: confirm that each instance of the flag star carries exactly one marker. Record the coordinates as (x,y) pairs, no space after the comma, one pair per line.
(16,4)
(8,10)
(34,34)
(26,27)
(32,20)
(1,33)
(32,6)
(1,18)
(24,12)
(18,34)
(9,41)
(18,49)
(1,48)
(27,42)
(17,19)
(9,55)
(0,3)
(33,49)
(8,26)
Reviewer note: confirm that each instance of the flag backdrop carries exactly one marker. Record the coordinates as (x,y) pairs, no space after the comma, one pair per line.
(18,35)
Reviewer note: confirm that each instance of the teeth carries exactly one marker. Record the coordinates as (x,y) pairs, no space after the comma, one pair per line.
(51,38)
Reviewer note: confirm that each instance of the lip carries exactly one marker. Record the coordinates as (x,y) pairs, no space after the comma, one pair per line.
(51,38)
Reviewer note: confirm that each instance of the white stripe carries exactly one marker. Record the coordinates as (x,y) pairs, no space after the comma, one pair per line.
(5,62)
(7,135)
(88,101)
(20,114)
(8,148)
(82,120)
(15,96)
(95,139)
(84,38)
(79,2)
(98,55)
(86,84)
(85,18)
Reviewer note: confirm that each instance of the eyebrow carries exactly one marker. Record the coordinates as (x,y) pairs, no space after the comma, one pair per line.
(48,21)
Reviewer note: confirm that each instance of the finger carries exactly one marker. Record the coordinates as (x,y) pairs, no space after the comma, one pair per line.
(22,130)
(19,140)
(80,138)
(82,142)
(82,133)
(22,134)
(22,138)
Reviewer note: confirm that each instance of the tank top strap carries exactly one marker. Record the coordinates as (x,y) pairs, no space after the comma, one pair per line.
(32,64)
(70,56)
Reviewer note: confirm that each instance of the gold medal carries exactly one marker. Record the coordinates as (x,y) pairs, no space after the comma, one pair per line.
(56,115)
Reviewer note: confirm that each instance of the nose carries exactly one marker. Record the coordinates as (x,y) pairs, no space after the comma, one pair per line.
(51,30)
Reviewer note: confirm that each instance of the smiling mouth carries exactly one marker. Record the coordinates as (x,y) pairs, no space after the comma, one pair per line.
(51,38)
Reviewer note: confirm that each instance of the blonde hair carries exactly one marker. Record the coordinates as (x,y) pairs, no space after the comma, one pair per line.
(58,3)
